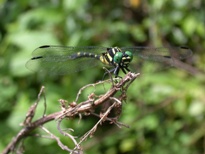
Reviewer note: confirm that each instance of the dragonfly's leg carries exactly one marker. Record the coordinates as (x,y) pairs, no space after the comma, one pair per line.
(127,69)
(116,71)
(123,70)
(107,72)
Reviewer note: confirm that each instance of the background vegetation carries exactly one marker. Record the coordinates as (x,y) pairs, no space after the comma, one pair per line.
(165,110)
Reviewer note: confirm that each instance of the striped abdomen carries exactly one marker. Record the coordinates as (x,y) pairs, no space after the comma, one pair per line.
(105,58)
(84,54)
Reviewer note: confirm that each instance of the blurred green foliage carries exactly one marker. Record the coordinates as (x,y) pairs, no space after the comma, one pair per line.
(165,110)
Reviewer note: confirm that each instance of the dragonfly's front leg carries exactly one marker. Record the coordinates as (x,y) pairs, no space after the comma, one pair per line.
(107,72)
(116,71)
(127,69)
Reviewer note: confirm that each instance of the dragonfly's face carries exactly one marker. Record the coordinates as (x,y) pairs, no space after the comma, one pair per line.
(123,58)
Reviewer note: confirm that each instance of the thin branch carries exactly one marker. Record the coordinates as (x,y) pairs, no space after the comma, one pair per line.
(72,110)
(31,112)
(90,132)
(68,135)
(57,139)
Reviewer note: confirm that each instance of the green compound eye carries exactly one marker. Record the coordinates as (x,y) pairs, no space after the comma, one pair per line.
(118,57)
(129,54)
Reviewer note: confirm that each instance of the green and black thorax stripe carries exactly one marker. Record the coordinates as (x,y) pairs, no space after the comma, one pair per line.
(108,57)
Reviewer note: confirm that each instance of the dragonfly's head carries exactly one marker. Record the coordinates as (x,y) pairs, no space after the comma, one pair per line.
(123,58)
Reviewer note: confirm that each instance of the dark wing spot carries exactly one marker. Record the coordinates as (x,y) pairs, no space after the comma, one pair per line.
(36,57)
(45,46)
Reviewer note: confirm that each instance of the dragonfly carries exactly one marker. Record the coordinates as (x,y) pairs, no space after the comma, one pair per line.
(59,60)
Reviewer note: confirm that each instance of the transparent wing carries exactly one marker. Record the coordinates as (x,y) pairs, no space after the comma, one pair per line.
(57,60)
(151,56)
(162,54)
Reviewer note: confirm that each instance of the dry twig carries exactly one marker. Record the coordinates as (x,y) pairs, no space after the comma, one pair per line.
(72,110)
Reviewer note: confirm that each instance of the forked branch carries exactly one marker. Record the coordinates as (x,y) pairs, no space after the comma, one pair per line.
(86,107)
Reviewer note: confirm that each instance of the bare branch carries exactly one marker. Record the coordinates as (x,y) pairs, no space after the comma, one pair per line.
(57,139)
(31,112)
(90,132)
(72,110)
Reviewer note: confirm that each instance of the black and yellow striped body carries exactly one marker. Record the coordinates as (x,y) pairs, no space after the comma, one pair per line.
(84,54)
(105,58)
(108,57)
(113,57)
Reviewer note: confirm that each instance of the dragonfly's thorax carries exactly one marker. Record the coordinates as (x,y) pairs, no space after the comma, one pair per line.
(116,57)
(108,57)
